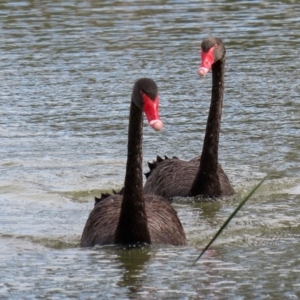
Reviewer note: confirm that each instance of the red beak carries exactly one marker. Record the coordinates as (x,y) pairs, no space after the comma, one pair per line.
(207,59)
(151,112)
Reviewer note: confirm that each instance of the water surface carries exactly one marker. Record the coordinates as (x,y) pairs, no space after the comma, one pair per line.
(67,70)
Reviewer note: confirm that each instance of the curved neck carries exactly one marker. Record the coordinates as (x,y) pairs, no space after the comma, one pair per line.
(207,179)
(133,227)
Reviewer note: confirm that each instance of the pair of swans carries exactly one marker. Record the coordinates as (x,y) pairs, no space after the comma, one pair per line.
(145,215)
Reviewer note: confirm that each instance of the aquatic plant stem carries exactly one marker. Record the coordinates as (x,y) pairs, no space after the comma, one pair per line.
(231,216)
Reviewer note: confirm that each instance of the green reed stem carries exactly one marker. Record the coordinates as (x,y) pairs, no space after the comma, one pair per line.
(231,216)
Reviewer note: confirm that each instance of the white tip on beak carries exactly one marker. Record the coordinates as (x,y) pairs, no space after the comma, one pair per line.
(157,125)
(203,71)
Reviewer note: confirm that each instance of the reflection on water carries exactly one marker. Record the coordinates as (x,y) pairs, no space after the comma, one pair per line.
(134,269)
(67,69)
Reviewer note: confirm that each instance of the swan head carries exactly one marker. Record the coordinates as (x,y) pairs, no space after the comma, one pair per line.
(145,96)
(212,50)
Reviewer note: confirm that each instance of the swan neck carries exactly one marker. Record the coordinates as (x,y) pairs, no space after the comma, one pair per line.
(132,227)
(133,177)
(211,139)
(207,180)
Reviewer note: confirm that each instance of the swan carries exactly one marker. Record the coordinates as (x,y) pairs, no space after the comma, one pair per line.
(202,175)
(131,217)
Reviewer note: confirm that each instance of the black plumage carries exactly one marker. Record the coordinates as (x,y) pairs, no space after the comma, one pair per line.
(202,175)
(134,218)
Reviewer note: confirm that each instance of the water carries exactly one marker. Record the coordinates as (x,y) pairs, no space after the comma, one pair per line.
(67,70)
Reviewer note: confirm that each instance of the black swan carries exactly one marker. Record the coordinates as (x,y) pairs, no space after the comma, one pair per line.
(202,175)
(135,218)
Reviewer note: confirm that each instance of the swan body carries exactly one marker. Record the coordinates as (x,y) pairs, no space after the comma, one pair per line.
(173,177)
(101,226)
